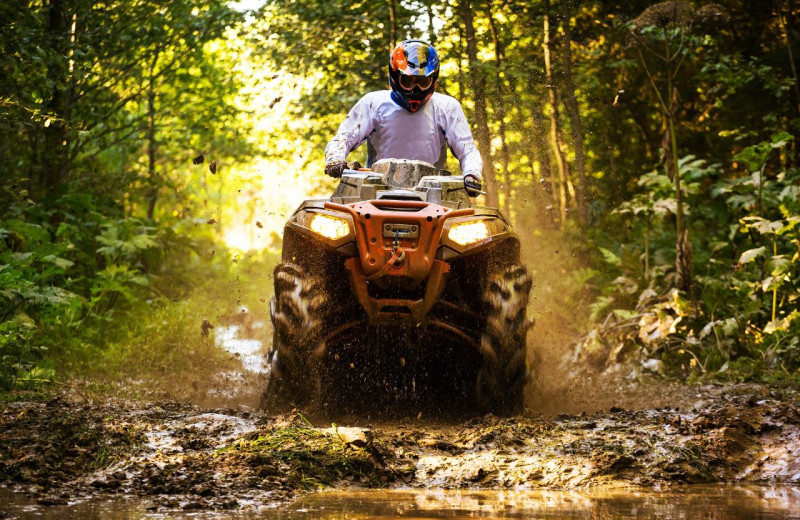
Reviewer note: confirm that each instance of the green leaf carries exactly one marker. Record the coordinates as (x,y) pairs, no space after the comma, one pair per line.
(600,305)
(730,327)
(792,222)
(63,263)
(782,325)
(762,225)
(665,206)
(752,254)
(142,242)
(780,264)
(772,283)
(781,139)
(625,314)
(610,257)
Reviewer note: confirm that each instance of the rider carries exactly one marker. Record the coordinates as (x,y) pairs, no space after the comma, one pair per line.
(409,121)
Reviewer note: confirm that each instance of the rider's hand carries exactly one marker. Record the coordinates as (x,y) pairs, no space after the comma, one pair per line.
(473,185)
(335,169)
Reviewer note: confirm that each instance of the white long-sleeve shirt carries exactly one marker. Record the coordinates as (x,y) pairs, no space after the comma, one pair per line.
(396,133)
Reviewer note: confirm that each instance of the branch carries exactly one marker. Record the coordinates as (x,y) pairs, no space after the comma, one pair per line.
(113,143)
(127,99)
(81,144)
(652,83)
(644,44)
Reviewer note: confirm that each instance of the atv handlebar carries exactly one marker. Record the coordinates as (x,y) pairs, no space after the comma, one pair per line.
(341,207)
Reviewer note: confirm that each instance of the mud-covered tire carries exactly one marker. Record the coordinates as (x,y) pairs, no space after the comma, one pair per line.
(298,318)
(504,362)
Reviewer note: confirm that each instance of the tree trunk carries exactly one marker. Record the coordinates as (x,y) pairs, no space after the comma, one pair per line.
(571,104)
(53,156)
(537,139)
(478,85)
(556,138)
(786,25)
(152,145)
(431,30)
(393,22)
(683,247)
(151,152)
(461,51)
(499,56)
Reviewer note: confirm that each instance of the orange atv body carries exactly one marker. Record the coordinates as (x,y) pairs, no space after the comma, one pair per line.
(377,263)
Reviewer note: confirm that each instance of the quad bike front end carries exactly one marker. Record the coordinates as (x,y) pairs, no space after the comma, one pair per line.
(423,262)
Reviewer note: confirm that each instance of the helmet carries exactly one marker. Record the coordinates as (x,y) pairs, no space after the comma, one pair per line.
(413,71)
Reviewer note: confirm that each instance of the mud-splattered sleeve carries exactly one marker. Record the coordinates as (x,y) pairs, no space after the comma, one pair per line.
(353,131)
(459,138)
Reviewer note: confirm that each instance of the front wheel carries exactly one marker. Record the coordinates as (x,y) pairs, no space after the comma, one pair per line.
(504,369)
(297,312)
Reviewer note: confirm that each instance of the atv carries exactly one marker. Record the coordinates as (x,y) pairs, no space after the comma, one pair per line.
(396,282)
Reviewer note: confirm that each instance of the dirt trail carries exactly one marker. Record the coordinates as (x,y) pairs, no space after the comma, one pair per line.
(177,455)
(181,456)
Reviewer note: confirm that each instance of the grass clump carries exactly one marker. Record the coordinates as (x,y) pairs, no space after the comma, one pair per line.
(307,458)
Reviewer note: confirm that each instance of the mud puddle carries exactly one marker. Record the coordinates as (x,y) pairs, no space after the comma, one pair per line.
(707,502)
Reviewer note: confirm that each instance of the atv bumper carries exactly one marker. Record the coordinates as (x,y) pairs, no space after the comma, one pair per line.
(397,310)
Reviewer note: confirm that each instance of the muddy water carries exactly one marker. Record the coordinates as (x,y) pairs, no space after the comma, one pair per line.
(706,502)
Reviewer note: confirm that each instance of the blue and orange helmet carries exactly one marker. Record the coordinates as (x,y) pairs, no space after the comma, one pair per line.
(413,72)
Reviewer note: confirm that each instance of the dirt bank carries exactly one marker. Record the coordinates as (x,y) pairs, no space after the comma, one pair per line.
(181,456)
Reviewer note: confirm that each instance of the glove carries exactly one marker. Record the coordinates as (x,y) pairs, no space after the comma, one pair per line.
(335,169)
(473,185)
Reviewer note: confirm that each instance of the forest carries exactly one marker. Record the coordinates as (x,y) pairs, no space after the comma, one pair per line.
(153,150)
(151,145)
(646,154)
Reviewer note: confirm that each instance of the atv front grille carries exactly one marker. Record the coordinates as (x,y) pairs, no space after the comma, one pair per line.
(396,289)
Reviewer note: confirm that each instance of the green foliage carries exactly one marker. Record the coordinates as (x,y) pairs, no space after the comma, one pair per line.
(97,135)
(57,279)
(741,320)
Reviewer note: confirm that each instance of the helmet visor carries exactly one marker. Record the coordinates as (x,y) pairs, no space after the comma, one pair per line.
(409,82)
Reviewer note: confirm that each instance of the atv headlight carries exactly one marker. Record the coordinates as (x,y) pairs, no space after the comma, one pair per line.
(329,226)
(465,233)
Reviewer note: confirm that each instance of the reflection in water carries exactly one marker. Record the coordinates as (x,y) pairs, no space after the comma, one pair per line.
(690,502)
(706,502)
(248,350)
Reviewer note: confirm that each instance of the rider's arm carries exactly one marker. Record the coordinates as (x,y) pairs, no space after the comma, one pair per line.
(353,131)
(459,137)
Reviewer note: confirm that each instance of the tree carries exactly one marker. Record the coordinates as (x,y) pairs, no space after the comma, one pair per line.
(477,82)
(664,32)
(571,104)
(556,136)
(500,105)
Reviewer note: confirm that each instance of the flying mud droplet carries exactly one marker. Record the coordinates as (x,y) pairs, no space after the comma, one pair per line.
(213,167)
(205,327)
(275,101)
(199,159)
(211,221)
(259,225)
